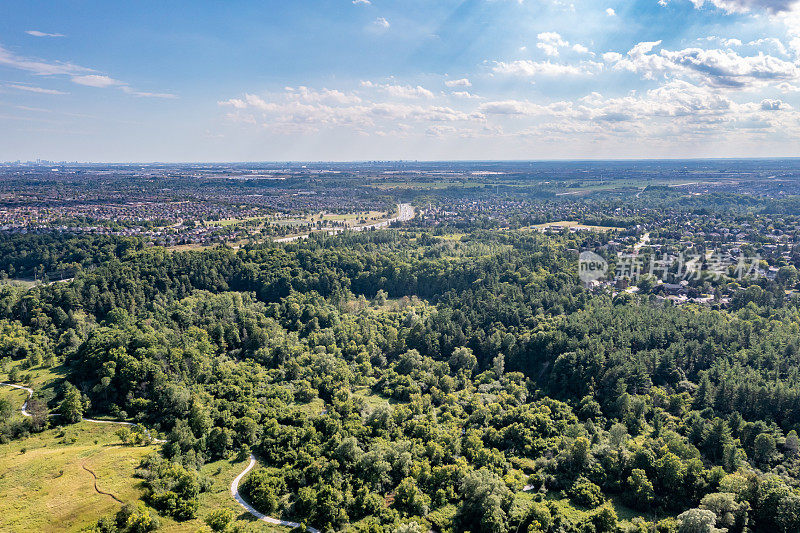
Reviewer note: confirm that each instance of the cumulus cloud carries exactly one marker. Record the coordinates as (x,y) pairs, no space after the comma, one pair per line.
(362,2)
(550,42)
(610,12)
(512,107)
(673,99)
(744,6)
(326,96)
(675,109)
(304,110)
(720,68)
(463,82)
(730,43)
(381,23)
(771,42)
(528,68)
(399,91)
(465,94)
(773,105)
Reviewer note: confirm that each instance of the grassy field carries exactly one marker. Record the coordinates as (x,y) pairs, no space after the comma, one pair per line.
(45,487)
(574,224)
(350,219)
(15,396)
(578,514)
(44,484)
(26,283)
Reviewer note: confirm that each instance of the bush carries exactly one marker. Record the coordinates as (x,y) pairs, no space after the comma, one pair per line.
(219,519)
(586,493)
(136,518)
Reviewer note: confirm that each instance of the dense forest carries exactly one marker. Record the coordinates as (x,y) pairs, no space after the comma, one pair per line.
(401,380)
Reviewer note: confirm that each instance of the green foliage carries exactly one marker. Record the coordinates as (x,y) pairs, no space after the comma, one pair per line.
(489,365)
(698,521)
(585,493)
(172,489)
(72,406)
(263,489)
(486,503)
(218,519)
(641,495)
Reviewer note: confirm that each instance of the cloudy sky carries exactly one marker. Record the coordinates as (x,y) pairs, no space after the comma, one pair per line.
(398,79)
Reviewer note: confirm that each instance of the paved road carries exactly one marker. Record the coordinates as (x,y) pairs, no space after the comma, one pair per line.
(252,510)
(405,213)
(25,412)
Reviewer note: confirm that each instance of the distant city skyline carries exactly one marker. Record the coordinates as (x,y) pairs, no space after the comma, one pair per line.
(360,80)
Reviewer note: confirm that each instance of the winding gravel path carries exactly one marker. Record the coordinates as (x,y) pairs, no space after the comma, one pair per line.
(234,485)
(252,510)
(24,405)
(24,412)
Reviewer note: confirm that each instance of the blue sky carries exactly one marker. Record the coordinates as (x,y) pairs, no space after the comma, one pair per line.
(391,79)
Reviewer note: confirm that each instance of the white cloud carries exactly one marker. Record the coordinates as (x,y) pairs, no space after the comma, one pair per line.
(381,22)
(550,42)
(79,75)
(773,105)
(37,33)
(676,111)
(512,107)
(399,91)
(463,82)
(145,94)
(720,68)
(528,68)
(96,80)
(327,96)
(33,89)
(38,67)
(293,111)
(465,94)
(610,12)
(770,41)
(730,43)
(744,6)
(362,2)
(794,44)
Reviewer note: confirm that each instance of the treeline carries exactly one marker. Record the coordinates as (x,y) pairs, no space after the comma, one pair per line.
(373,411)
(58,254)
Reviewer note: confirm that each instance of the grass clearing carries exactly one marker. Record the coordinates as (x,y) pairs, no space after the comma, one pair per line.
(45,487)
(569,224)
(371,399)
(577,514)
(20,282)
